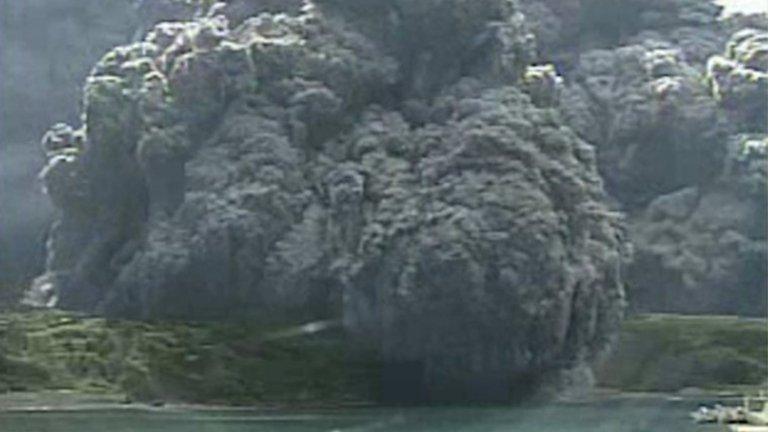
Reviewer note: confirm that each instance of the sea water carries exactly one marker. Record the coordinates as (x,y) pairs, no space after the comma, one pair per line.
(658,415)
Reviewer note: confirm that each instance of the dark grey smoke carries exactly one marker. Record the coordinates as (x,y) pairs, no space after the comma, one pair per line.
(47,48)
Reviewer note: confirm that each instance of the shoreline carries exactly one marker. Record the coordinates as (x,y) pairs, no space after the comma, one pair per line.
(63,402)
(67,401)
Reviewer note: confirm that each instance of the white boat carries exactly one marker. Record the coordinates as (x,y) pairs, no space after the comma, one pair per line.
(751,416)
(747,428)
(756,410)
(719,414)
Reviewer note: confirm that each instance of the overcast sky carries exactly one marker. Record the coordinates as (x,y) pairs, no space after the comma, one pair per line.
(744,6)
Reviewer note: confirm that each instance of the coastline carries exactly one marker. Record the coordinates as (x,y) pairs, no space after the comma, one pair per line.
(71,402)
(68,401)
(53,361)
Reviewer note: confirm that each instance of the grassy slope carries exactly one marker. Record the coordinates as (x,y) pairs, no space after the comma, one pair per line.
(672,352)
(241,364)
(211,363)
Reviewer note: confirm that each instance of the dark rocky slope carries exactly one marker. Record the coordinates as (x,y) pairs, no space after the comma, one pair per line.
(312,164)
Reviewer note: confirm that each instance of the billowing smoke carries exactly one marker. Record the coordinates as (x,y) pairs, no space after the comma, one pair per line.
(47,48)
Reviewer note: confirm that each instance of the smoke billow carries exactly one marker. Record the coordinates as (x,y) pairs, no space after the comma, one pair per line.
(47,48)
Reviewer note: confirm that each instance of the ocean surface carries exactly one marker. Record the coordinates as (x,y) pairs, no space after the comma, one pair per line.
(641,415)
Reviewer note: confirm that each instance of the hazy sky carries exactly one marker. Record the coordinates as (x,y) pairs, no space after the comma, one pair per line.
(745,6)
